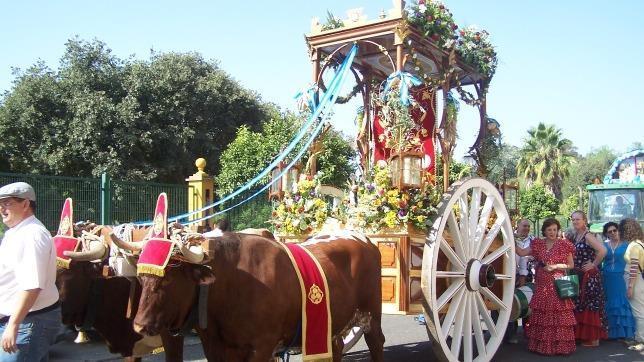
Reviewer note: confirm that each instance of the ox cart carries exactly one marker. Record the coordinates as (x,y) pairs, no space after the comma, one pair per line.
(459,271)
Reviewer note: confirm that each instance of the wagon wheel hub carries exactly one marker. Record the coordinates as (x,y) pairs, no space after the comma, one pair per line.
(479,275)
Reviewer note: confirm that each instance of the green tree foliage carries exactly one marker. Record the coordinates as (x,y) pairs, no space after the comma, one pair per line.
(574,202)
(587,168)
(457,171)
(135,119)
(546,158)
(536,203)
(250,152)
(504,166)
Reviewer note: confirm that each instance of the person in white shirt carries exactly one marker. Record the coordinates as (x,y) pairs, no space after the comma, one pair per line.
(223,225)
(523,238)
(29,310)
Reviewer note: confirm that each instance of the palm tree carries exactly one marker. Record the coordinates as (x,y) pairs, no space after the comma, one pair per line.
(546,157)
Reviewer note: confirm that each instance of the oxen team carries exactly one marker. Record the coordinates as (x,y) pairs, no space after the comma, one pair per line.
(240,292)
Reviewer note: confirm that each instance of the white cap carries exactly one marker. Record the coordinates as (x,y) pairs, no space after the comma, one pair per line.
(21,190)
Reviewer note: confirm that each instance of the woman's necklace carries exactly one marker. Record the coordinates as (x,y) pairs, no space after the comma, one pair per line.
(613,247)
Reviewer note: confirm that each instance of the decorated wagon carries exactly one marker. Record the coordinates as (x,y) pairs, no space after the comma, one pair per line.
(446,250)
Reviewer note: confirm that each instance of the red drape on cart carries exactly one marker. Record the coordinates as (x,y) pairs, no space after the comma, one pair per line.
(424,96)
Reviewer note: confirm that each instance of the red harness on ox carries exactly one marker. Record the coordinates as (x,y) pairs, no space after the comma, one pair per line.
(64,239)
(157,251)
(316,307)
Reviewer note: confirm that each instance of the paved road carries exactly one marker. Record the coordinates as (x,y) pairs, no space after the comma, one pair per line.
(406,341)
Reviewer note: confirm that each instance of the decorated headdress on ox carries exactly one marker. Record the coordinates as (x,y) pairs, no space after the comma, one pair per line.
(159,248)
(67,245)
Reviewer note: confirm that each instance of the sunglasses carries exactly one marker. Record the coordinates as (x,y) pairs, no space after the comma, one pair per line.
(610,231)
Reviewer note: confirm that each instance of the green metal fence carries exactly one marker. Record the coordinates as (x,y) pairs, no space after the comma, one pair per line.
(252,214)
(100,200)
(51,192)
(135,201)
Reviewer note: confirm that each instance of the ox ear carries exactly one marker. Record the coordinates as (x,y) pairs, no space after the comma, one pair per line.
(203,274)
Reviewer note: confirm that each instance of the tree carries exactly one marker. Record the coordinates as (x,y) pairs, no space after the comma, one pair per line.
(536,203)
(250,152)
(135,119)
(503,168)
(546,158)
(592,166)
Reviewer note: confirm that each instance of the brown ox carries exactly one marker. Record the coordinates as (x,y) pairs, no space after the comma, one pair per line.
(86,295)
(254,302)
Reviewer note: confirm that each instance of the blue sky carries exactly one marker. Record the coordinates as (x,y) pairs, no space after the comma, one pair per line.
(576,64)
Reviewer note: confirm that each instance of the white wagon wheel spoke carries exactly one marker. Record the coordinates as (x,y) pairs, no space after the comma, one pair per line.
(468,271)
(451,254)
(456,234)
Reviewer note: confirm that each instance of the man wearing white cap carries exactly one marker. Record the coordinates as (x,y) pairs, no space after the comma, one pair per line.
(29,312)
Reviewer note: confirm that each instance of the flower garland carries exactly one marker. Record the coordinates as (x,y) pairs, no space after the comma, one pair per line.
(434,20)
(380,205)
(301,211)
(475,49)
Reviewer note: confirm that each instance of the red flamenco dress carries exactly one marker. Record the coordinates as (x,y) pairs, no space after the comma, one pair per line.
(551,328)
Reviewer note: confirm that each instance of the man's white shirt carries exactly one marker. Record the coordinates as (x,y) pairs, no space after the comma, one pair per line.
(27,261)
(522,261)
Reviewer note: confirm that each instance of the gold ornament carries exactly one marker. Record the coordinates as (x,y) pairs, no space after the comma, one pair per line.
(315,294)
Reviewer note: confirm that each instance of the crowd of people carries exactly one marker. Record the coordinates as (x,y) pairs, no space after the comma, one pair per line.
(609,303)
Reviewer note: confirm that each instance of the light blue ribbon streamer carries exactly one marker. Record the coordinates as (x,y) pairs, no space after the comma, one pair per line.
(308,96)
(327,101)
(407,80)
(284,171)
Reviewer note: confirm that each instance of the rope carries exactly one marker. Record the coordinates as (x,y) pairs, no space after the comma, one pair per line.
(327,101)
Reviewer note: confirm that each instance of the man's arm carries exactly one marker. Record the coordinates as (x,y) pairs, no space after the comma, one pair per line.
(26,300)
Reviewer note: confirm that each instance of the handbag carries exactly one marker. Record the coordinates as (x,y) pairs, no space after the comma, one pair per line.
(567,286)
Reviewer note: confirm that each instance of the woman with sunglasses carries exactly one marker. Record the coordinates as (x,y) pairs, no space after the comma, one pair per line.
(621,324)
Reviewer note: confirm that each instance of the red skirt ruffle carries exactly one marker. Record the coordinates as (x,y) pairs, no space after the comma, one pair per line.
(589,326)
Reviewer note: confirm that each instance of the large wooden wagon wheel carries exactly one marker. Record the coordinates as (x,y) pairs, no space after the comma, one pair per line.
(468,272)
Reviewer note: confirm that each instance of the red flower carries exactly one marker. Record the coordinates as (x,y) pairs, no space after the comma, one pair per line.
(421,2)
(435,37)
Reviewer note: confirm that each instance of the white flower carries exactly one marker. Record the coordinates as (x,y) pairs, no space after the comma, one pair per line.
(422,8)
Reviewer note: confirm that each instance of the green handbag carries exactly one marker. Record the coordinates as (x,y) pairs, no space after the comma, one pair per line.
(567,286)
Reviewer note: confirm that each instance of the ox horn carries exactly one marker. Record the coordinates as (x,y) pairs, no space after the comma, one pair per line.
(131,246)
(192,254)
(96,251)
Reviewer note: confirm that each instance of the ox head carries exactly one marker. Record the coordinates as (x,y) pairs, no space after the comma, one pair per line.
(166,300)
(74,283)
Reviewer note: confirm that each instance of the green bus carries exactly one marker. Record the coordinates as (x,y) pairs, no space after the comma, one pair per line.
(621,195)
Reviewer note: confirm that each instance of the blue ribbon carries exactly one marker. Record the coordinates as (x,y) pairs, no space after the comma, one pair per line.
(327,101)
(407,80)
(307,96)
